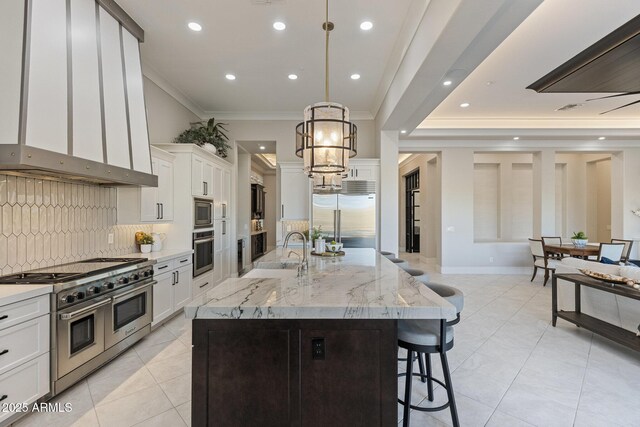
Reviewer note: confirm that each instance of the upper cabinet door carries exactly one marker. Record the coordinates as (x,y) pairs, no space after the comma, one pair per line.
(47,107)
(164,170)
(207,177)
(226,193)
(135,100)
(11,27)
(197,177)
(217,192)
(87,115)
(115,107)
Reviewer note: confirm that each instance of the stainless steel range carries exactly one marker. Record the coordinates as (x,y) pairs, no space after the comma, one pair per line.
(99,307)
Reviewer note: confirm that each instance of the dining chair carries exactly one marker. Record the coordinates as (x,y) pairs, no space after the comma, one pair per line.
(540,259)
(626,254)
(612,251)
(553,240)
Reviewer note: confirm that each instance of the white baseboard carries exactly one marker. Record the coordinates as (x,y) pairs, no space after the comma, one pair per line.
(484,270)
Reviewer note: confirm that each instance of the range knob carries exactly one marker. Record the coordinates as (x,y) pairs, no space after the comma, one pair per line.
(79,295)
(145,274)
(68,299)
(110,285)
(135,277)
(124,280)
(94,290)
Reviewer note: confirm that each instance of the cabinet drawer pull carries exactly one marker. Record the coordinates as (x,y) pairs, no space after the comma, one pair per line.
(4,316)
(163,267)
(3,352)
(184,260)
(3,397)
(205,284)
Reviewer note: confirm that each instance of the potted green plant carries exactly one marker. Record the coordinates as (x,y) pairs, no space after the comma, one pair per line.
(579,239)
(208,135)
(145,241)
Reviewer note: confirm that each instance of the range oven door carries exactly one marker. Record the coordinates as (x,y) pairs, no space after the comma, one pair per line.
(80,334)
(202,253)
(130,311)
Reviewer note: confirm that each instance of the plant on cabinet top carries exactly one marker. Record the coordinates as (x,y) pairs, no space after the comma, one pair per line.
(206,132)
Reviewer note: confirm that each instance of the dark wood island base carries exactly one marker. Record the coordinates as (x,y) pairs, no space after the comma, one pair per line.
(297,372)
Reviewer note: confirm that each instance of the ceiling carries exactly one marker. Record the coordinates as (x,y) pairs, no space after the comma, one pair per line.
(552,34)
(238,38)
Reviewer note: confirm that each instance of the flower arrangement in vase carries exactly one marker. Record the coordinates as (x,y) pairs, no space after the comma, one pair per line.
(145,241)
(579,239)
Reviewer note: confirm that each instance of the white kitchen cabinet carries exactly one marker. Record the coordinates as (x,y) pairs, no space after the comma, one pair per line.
(25,384)
(226,193)
(24,342)
(182,287)
(202,283)
(163,296)
(294,192)
(222,250)
(202,177)
(363,170)
(149,204)
(173,290)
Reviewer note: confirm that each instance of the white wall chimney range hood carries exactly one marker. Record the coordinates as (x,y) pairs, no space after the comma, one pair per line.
(71,92)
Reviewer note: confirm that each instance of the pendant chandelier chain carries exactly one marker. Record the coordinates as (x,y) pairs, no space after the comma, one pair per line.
(326,52)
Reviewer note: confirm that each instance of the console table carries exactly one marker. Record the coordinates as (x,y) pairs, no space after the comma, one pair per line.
(590,323)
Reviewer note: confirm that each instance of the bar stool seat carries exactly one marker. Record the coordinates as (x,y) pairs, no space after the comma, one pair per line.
(418,274)
(451,294)
(426,337)
(399,262)
(421,332)
(387,254)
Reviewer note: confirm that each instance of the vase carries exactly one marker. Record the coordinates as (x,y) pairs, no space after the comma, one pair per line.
(145,249)
(319,247)
(579,243)
(210,148)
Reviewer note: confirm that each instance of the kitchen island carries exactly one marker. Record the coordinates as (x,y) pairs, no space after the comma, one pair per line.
(320,349)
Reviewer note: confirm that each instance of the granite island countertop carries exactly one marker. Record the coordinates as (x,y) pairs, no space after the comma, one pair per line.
(361,285)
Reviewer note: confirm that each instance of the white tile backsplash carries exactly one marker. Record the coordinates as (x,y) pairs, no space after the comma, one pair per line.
(44,223)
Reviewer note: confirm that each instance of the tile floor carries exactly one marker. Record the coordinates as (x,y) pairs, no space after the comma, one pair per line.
(509,368)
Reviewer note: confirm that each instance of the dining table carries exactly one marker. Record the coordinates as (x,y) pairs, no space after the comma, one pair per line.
(575,251)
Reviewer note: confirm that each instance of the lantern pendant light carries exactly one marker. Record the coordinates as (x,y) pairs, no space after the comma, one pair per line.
(326,139)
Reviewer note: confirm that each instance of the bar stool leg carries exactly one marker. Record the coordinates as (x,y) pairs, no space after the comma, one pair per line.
(447,380)
(407,389)
(423,376)
(427,357)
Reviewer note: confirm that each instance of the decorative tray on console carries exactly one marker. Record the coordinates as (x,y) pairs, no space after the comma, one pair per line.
(610,278)
(329,254)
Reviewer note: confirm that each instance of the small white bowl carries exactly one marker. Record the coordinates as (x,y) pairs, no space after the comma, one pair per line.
(336,247)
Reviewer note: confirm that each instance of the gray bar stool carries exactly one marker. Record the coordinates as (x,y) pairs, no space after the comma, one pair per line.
(419,275)
(387,254)
(426,337)
(399,262)
(452,295)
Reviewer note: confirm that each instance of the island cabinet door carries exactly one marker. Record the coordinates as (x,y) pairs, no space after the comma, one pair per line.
(294,372)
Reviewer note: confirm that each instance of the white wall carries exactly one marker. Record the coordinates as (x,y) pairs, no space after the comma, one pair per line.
(243,194)
(167,118)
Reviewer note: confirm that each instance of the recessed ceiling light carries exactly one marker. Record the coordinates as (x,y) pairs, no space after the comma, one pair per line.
(230,77)
(447,83)
(464,105)
(515,138)
(355,76)
(490,82)
(279,25)
(194,26)
(403,131)
(366,25)
(262,147)
(602,138)
(293,76)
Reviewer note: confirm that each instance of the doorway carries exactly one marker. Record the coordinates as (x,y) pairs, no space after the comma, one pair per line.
(412,212)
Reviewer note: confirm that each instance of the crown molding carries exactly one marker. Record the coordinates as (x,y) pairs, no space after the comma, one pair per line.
(275,115)
(507,134)
(529,123)
(149,72)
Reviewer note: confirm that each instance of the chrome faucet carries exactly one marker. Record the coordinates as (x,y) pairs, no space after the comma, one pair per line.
(303,263)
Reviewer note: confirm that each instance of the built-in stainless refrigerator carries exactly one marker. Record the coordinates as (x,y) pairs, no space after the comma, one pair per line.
(348,215)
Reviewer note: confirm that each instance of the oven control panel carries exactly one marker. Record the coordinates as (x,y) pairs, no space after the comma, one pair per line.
(93,289)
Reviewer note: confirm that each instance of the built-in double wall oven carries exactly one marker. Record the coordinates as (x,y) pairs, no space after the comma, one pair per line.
(87,331)
(203,250)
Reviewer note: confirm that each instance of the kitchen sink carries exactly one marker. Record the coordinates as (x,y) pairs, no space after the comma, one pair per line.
(271,273)
(287,264)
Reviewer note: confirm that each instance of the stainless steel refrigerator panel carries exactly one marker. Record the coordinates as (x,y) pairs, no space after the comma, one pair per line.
(357,220)
(324,213)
